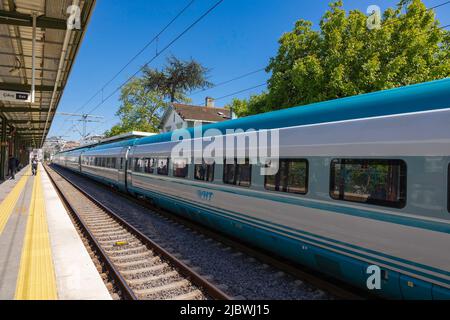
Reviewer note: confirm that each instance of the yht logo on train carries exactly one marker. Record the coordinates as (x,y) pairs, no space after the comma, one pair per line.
(205,195)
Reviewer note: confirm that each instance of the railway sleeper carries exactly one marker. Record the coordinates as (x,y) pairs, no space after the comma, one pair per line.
(150,279)
(125,250)
(141,255)
(108,241)
(193,295)
(109,230)
(146,271)
(178,285)
(117,234)
(138,264)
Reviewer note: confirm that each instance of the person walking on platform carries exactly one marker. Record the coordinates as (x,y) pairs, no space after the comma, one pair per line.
(12,167)
(34,165)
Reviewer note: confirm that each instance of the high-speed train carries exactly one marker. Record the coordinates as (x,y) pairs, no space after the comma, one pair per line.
(361,182)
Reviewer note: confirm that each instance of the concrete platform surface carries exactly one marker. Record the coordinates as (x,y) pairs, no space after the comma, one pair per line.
(76,275)
(7,185)
(41,254)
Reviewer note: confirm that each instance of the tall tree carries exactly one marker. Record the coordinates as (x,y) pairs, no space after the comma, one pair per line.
(140,109)
(176,79)
(345,58)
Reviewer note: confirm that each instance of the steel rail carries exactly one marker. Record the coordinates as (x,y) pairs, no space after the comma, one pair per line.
(125,290)
(185,270)
(321,281)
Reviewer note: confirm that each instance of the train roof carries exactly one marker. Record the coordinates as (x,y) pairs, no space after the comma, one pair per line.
(413,98)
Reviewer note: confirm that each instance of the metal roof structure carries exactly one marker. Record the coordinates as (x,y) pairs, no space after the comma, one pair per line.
(37,51)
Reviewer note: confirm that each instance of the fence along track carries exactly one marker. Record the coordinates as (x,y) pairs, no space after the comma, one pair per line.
(140,268)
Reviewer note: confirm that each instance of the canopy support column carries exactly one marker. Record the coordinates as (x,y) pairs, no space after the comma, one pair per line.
(3,149)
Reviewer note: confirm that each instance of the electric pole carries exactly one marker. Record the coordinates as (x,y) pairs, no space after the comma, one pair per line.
(85,119)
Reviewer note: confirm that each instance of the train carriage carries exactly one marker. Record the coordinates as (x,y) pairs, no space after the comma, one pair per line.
(362,181)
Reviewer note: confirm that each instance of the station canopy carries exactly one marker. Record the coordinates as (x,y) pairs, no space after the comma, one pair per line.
(42,25)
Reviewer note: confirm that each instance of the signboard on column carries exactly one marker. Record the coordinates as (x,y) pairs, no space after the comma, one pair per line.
(14,96)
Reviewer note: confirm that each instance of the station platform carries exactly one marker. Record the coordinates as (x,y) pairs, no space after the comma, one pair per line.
(42,256)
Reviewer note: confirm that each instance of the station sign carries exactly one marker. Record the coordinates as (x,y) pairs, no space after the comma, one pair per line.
(14,96)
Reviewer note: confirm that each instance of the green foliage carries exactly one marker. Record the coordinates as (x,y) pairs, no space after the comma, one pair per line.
(176,79)
(345,58)
(144,100)
(256,104)
(140,109)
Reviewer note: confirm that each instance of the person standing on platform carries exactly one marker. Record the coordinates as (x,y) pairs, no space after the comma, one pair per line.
(17,164)
(12,167)
(34,165)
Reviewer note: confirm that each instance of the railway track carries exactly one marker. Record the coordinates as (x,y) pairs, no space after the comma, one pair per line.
(335,288)
(138,267)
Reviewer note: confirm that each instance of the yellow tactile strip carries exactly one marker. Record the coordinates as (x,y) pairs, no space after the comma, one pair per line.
(8,205)
(36,279)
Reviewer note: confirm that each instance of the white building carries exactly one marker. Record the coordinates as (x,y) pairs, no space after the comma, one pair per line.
(182,116)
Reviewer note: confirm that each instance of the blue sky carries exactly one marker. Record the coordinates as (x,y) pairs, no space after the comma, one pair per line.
(239,36)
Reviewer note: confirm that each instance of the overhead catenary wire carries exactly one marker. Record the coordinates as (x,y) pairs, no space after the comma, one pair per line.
(222,83)
(241,91)
(428,9)
(156,37)
(439,5)
(229,81)
(264,84)
(159,53)
(261,85)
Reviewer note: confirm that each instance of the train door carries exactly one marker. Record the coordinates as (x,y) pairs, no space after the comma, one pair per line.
(80,162)
(128,168)
(123,167)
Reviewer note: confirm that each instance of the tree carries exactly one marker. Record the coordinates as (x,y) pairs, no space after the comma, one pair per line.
(176,79)
(140,109)
(345,58)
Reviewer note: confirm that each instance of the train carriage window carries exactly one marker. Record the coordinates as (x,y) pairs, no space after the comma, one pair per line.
(372,181)
(113,163)
(149,165)
(229,173)
(448,188)
(139,164)
(180,168)
(292,177)
(204,172)
(237,174)
(163,167)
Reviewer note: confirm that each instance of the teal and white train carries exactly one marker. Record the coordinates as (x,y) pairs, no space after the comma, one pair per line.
(363,181)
